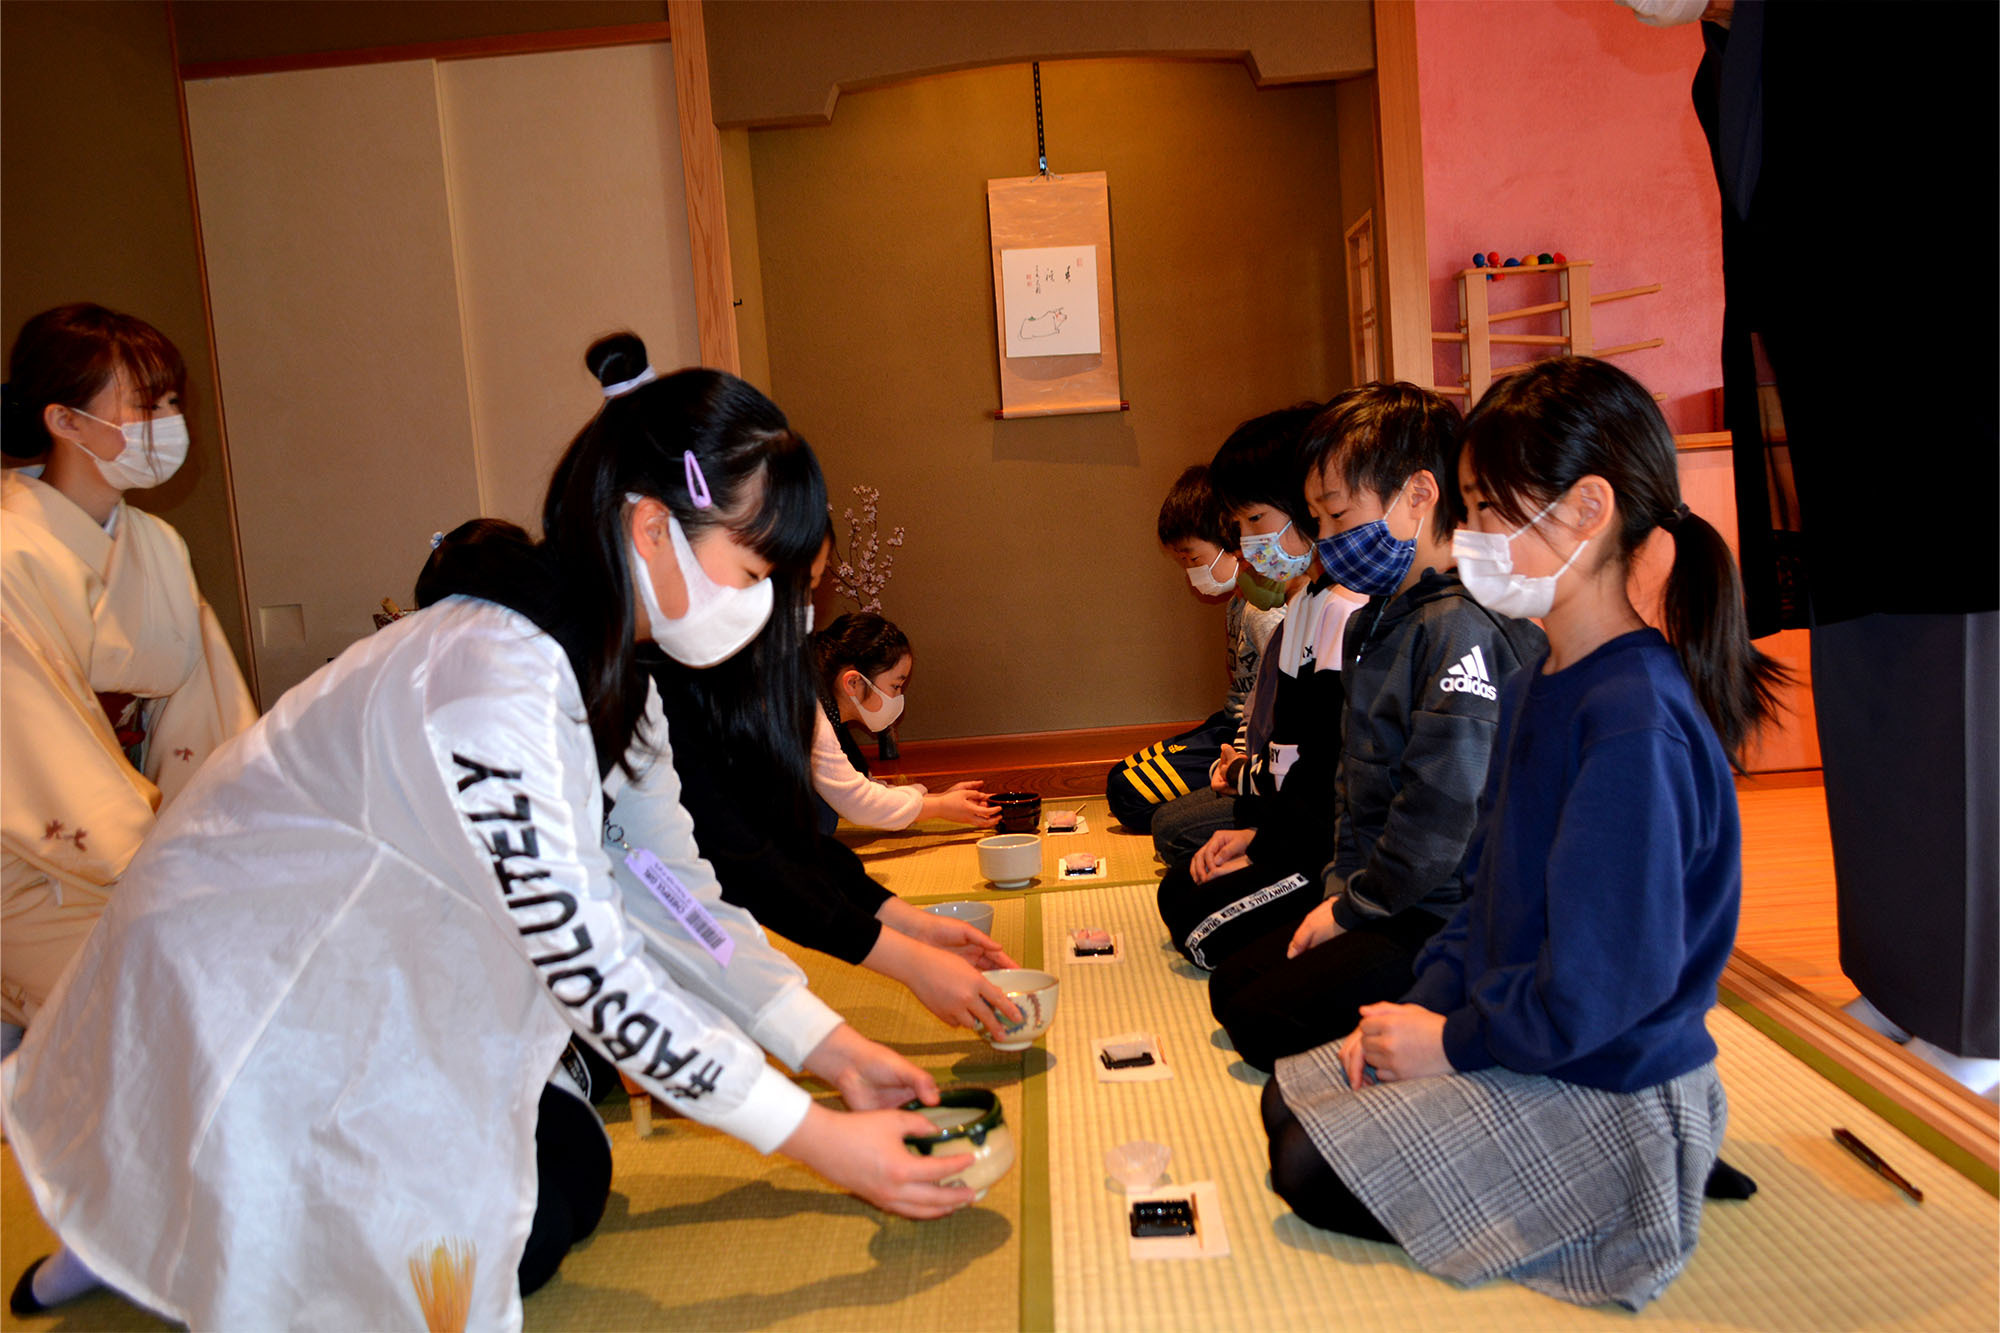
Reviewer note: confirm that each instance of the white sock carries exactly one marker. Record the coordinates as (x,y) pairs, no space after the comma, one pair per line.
(62,1277)
(1868,1015)
(1982,1076)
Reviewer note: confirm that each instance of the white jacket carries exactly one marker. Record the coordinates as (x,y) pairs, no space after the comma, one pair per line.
(307,1040)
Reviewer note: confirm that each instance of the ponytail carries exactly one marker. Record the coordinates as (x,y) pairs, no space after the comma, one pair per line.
(1735,682)
(1539,431)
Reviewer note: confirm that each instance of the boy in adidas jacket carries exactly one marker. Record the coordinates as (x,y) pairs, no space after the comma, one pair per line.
(1423,662)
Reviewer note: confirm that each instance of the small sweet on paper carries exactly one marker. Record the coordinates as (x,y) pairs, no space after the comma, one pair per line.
(1092,942)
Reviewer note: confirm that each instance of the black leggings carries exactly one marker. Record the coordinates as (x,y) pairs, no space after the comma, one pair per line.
(1273,1006)
(572,1184)
(1302,1178)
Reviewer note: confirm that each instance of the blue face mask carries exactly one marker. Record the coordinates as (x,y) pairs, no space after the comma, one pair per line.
(1369,558)
(1271,560)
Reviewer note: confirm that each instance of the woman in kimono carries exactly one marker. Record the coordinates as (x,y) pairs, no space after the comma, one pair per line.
(115,680)
(318,1015)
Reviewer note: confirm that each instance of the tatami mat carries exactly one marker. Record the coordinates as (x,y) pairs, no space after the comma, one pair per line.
(702,1233)
(932,859)
(1824,1245)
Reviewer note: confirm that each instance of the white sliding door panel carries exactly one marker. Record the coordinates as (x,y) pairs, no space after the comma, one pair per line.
(570,221)
(326,227)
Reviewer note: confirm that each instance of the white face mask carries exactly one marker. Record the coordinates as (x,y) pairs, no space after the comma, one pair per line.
(719,621)
(137,467)
(1486,563)
(1666,13)
(1206,583)
(887,709)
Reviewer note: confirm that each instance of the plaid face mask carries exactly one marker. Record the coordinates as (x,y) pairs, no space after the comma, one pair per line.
(1369,559)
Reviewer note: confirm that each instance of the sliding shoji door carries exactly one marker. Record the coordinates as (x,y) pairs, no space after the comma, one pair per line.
(405,262)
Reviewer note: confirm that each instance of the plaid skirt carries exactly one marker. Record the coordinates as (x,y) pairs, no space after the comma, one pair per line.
(1586,1195)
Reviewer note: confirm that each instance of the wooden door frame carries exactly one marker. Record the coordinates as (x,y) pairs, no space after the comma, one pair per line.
(1402,264)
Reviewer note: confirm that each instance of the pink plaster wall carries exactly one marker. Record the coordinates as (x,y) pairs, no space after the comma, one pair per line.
(1565,125)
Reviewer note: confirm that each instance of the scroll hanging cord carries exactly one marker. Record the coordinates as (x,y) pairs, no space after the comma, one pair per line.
(1041,143)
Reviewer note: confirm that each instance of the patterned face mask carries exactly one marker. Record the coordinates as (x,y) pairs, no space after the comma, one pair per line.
(1271,560)
(1368,557)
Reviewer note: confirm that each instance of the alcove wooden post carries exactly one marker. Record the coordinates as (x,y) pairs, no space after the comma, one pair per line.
(1404,293)
(701,164)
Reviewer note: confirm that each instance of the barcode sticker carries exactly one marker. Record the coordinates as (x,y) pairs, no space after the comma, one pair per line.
(687,910)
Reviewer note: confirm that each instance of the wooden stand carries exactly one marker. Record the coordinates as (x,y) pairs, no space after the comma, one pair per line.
(1476,339)
(642,1106)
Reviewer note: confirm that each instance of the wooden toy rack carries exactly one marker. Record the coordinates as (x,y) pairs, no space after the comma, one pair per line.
(1475,336)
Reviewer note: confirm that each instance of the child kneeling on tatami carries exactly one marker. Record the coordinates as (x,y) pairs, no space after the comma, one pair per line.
(1201,539)
(1543,1104)
(1284,775)
(1423,663)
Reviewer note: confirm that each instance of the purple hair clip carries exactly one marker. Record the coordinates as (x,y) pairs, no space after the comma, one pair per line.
(696,483)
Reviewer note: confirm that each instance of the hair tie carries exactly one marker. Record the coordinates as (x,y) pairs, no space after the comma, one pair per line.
(1673,520)
(696,483)
(646,376)
(437,540)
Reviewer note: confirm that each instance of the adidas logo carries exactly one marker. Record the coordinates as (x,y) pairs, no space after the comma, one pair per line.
(1468,676)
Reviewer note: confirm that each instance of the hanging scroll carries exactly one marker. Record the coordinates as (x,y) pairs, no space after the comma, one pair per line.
(1057,335)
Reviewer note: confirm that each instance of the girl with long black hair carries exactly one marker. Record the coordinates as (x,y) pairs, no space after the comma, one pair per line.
(1543,1103)
(315,1023)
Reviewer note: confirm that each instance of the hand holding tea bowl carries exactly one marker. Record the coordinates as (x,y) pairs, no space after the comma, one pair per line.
(968,1120)
(1034,993)
(1020,811)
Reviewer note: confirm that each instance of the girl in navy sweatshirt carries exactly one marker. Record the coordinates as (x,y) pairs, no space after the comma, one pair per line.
(1543,1104)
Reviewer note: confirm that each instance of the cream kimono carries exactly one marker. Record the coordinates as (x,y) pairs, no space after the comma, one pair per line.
(84,612)
(306,1044)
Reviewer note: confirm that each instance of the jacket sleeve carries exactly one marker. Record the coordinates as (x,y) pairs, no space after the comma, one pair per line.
(522,776)
(853,796)
(1440,772)
(1615,904)
(761,988)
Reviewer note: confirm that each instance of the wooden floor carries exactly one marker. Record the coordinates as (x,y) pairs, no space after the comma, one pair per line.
(1788,921)
(1788,906)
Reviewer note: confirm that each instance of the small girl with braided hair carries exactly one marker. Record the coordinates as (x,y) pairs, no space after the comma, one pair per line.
(1543,1103)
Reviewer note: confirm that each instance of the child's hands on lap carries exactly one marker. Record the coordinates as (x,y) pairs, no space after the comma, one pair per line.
(1318,927)
(1225,851)
(1218,772)
(1399,1042)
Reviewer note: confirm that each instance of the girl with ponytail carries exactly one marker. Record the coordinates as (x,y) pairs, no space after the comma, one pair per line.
(1564,1004)
(346,961)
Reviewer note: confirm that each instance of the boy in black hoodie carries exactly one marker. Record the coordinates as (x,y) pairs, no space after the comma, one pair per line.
(1423,662)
